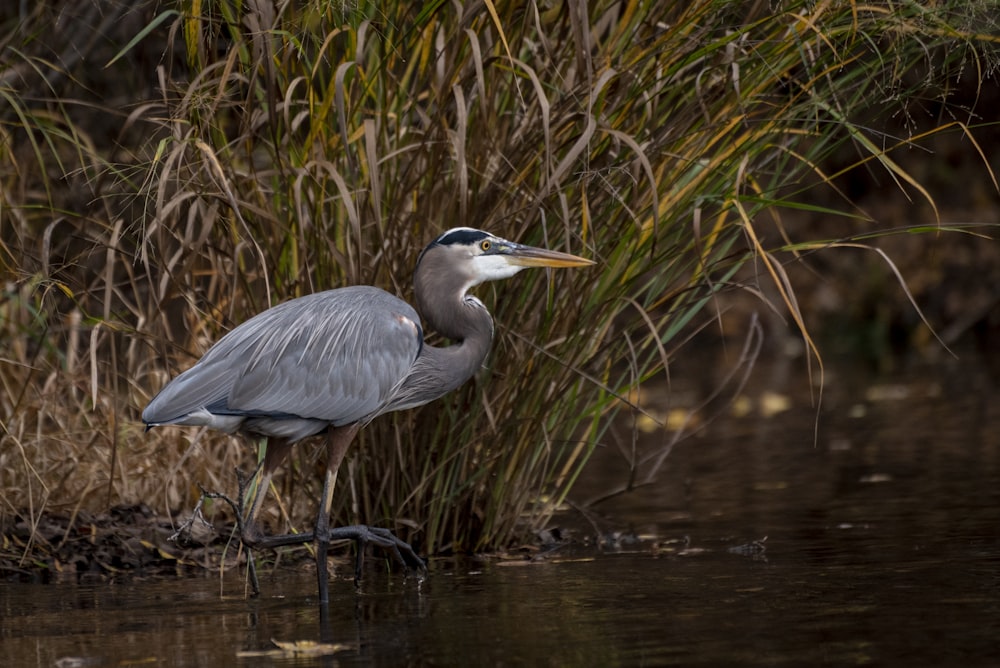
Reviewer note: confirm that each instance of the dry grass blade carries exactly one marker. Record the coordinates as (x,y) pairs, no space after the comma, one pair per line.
(280,150)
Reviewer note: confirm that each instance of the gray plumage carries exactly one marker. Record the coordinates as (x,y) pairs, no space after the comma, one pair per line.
(334,360)
(341,362)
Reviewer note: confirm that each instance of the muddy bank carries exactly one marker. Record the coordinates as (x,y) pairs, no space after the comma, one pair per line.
(127,541)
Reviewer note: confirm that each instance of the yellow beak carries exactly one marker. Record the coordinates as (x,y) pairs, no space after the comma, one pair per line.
(529,256)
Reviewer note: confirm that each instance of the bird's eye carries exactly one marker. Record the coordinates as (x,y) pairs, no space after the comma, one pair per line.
(485,245)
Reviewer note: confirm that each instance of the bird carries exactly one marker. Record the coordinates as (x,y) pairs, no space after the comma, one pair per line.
(328,363)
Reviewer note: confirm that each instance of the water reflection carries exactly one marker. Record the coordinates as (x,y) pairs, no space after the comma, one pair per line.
(925,607)
(882,546)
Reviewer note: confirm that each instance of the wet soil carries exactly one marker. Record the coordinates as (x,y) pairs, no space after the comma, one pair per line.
(127,541)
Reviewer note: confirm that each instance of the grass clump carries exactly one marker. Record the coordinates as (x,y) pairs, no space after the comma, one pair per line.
(278,150)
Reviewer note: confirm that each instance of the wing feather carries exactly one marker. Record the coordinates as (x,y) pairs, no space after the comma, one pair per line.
(335,356)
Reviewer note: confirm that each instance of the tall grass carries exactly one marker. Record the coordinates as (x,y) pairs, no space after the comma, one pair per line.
(277,150)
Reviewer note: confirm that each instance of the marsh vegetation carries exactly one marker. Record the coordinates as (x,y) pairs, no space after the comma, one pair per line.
(169,169)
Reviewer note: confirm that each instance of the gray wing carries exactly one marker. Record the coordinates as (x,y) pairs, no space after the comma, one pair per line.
(334,356)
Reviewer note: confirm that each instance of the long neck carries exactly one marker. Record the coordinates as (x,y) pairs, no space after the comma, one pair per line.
(446,309)
(450,312)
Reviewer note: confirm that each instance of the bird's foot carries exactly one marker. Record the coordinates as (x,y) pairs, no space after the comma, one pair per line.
(364,535)
(196,518)
(249,534)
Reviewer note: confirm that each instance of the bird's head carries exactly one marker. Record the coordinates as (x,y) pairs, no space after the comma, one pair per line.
(474,256)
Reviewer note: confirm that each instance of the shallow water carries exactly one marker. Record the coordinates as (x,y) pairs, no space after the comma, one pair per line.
(879,543)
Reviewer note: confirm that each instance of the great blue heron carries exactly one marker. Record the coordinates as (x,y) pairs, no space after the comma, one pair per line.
(332,361)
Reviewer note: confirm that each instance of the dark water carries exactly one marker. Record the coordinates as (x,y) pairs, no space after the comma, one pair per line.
(881,546)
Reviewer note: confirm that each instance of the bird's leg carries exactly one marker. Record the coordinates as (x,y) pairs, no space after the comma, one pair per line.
(275,456)
(338,441)
(242,484)
(250,533)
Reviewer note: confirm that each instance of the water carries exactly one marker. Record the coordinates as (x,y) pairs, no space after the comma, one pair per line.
(879,543)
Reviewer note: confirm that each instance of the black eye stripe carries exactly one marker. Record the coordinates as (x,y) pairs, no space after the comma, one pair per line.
(461,236)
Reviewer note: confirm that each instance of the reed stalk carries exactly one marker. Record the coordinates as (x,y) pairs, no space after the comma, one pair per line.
(270,150)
